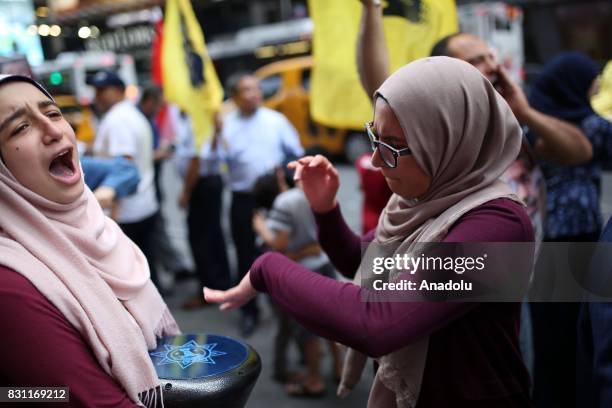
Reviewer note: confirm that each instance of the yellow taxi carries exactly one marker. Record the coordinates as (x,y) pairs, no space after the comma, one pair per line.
(80,117)
(285,85)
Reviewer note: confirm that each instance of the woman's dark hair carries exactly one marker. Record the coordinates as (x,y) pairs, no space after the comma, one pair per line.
(561,90)
(265,190)
(288,176)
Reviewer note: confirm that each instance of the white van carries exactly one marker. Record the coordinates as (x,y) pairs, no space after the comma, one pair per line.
(67,75)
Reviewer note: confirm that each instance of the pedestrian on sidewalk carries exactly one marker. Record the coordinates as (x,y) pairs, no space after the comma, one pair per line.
(563,90)
(285,224)
(202,197)
(257,139)
(125,132)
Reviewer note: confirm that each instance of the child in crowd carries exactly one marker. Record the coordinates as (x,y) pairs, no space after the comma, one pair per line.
(289,227)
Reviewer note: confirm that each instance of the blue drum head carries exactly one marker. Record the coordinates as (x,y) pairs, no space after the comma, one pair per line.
(191,356)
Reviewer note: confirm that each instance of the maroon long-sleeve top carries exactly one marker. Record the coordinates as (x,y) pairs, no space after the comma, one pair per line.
(39,347)
(473,359)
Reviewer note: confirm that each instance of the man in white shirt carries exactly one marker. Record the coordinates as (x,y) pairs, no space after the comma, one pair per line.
(125,132)
(256,140)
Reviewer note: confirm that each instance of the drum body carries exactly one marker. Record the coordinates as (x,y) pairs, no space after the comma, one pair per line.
(205,370)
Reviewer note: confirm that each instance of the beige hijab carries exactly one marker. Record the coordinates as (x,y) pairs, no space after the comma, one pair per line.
(463,135)
(98,279)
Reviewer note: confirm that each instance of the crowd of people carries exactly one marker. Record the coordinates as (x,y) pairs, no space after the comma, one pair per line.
(461,154)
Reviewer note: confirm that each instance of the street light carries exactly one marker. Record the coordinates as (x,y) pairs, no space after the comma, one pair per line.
(84,32)
(55,30)
(44,30)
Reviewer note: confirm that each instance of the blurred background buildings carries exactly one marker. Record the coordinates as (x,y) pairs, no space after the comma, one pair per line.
(247,34)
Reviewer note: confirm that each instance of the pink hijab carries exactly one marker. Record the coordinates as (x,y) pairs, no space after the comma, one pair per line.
(83,264)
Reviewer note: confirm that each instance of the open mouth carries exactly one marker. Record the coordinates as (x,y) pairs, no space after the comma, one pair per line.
(62,166)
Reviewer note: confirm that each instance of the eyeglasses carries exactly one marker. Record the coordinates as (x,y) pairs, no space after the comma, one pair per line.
(388,153)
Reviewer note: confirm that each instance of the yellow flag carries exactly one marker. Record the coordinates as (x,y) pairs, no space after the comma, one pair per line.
(189,77)
(411,28)
(602,102)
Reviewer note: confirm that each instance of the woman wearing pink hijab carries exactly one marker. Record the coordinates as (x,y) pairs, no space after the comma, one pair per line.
(442,136)
(78,306)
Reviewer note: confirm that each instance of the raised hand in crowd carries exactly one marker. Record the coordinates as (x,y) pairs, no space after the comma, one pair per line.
(560,141)
(320,181)
(372,53)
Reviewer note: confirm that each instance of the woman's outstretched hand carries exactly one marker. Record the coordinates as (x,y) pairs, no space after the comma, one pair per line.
(320,181)
(234,297)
